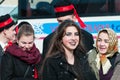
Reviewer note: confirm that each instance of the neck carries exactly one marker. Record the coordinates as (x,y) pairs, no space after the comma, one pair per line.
(3,38)
(70,57)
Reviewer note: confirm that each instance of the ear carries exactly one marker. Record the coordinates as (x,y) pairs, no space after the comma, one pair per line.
(4,31)
(74,18)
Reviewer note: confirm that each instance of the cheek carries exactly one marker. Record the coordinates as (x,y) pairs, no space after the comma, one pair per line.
(31,45)
(20,44)
(107,45)
(65,40)
(97,43)
(77,39)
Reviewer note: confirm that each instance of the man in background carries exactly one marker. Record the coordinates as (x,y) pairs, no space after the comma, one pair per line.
(65,10)
(7,33)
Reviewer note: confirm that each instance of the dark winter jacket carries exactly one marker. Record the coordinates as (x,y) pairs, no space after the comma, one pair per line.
(1,54)
(57,68)
(14,68)
(20,65)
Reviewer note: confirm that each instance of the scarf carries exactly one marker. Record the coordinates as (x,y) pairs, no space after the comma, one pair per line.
(102,59)
(31,57)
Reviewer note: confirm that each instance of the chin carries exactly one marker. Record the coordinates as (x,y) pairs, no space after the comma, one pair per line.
(103,52)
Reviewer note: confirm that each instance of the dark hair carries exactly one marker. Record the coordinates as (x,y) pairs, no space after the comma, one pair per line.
(56,43)
(56,40)
(25,29)
(23,22)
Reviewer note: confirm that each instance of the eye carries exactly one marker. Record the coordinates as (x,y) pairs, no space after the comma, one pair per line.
(60,21)
(23,42)
(68,33)
(30,42)
(107,41)
(76,34)
(99,40)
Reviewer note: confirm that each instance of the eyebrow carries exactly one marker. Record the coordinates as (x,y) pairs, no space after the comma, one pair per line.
(60,20)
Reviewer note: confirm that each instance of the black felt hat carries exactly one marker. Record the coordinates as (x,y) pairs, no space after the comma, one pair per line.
(64,7)
(6,21)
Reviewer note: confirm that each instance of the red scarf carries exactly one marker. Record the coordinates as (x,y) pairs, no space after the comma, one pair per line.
(31,57)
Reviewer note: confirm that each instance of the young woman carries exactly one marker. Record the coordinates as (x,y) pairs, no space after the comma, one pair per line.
(102,59)
(66,59)
(21,59)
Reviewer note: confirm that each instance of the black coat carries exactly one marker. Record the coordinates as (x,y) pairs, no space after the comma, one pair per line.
(87,41)
(1,54)
(14,69)
(57,68)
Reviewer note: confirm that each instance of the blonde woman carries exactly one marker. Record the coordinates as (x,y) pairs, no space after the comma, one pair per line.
(102,59)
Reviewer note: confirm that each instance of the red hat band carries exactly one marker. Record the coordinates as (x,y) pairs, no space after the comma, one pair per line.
(16,29)
(68,8)
(7,22)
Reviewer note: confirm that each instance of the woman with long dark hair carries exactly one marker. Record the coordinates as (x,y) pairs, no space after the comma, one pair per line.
(66,58)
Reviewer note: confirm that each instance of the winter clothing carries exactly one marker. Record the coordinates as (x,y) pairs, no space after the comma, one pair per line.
(57,68)
(92,55)
(62,10)
(16,62)
(1,54)
(116,74)
(6,21)
(103,64)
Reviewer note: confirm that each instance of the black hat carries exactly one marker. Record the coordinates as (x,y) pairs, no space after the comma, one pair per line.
(20,24)
(64,7)
(61,8)
(6,21)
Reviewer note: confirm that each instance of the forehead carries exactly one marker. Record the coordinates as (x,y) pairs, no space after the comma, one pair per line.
(12,27)
(103,35)
(26,38)
(71,29)
(65,17)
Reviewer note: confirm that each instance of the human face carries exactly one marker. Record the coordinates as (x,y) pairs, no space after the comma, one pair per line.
(70,38)
(103,42)
(10,33)
(67,17)
(26,42)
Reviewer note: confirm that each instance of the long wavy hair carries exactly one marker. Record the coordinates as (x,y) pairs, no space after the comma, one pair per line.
(56,41)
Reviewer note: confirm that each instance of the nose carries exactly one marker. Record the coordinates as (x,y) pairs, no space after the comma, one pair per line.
(73,36)
(27,46)
(102,42)
(14,32)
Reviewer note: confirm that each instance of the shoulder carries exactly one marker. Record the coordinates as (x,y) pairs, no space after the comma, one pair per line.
(117,60)
(49,36)
(7,58)
(92,54)
(7,54)
(84,32)
(117,69)
(54,59)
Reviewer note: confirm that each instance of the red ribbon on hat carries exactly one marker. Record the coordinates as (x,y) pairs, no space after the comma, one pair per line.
(70,7)
(16,29)
(5,23)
